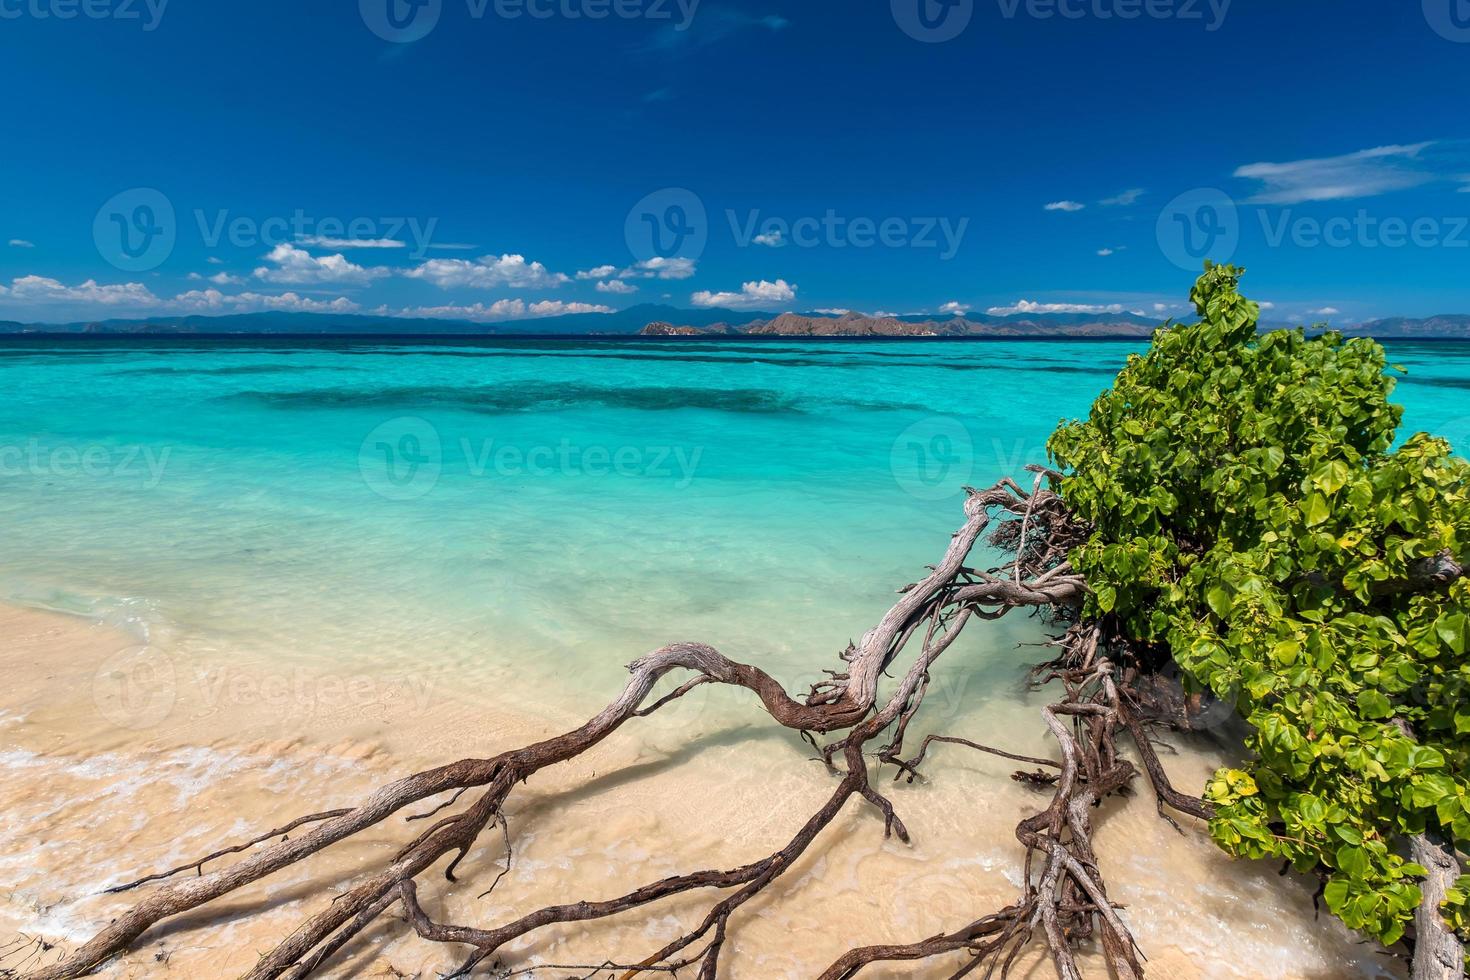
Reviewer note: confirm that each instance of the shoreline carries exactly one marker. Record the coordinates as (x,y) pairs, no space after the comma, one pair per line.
(711,785)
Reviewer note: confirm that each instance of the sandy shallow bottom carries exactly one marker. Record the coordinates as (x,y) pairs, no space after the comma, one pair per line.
(106,777)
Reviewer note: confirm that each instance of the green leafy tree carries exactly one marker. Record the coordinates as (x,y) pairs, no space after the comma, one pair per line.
(1255,518)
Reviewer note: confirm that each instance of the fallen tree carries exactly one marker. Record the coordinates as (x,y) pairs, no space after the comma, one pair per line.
(1108,548)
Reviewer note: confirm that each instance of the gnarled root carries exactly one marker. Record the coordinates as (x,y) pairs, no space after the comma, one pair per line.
(1064,899)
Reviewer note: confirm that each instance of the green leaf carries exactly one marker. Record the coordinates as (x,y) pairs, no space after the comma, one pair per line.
(1336,894)
(1372,704)
(1315,509)
(1451,629)
(1330,477)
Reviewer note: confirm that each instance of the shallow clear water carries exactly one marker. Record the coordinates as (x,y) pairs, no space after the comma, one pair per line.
(363,530)
(502,506)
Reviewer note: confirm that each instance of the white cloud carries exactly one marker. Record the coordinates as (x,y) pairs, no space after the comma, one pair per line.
(1325,311)
(298,267)
(958,309)
(138,297)
(1064,206)
(487,272)
(1027,306)
(1266,305)
(39,289)
(1366,173)
(1105,252)
(751,294)
(501,309)
(659,267)
(833,312)
(215,260)
(219,278)
(654,268)
(214,301)
(771,238)
(555,307)
(21,243)
(322,241)
(1124,199)
(616,286)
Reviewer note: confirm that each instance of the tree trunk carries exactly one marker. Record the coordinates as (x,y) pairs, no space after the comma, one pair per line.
(1438,954)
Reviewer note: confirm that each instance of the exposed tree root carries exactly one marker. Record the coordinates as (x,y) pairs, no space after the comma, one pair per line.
(1064,900)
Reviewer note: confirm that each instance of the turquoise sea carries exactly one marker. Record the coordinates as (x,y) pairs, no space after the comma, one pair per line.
(501,506)
(333,555)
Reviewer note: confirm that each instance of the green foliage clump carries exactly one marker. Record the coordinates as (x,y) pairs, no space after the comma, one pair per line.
(1253,519)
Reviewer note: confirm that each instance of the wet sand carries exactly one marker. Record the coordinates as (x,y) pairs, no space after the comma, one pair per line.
(115,762)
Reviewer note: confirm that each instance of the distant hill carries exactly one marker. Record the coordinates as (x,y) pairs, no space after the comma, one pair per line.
(1123,325)
(627,321)
(651,319)
(861,325)
(1448,326)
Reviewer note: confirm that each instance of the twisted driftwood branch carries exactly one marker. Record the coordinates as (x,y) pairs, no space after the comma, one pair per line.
(1064,897)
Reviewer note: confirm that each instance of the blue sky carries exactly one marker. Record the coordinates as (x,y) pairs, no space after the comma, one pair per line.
(514,157)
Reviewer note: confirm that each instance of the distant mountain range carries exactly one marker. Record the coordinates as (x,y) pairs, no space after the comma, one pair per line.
(1121,325)
(628,321)
(860,325)
(656,320)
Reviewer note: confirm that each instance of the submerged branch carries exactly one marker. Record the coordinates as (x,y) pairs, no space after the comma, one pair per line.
(1064,898)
